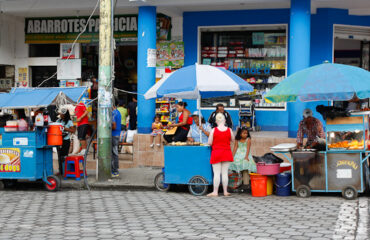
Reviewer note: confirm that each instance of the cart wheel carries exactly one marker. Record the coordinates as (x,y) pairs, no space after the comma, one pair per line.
(303,191)
(159,183)
(198,186)
(54,184)
(349,193)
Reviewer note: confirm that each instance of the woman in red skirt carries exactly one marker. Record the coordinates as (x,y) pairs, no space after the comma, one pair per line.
(220,139)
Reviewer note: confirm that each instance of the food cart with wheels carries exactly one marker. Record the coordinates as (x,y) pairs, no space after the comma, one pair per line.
(183,166)
(341,168)
(27,155)
(185,163)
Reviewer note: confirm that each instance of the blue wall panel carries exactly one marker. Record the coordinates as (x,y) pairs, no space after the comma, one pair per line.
(321,44)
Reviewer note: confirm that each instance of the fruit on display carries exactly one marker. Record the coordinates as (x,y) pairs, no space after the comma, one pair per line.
(352,145)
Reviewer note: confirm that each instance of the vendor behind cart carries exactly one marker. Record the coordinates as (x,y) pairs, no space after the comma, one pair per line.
(313,129)
(68,129)
(196,129)
(182,126)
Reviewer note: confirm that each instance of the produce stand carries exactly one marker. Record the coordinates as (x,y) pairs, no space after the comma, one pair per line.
(188,165)
(338,169)
(26,155)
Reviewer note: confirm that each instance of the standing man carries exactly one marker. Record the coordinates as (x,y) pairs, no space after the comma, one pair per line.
(312,128)
(123,111)
(220,109)
(82,125)
(116,131)
(131,108)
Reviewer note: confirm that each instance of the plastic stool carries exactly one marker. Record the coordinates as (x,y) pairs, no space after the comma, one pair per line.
(72,167)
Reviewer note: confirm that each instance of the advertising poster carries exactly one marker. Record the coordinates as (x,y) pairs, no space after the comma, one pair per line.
(10,160)
(22,77)
(67,51)
(170,54)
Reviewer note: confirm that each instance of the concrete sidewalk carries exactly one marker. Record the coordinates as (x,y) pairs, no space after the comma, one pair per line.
(130,178)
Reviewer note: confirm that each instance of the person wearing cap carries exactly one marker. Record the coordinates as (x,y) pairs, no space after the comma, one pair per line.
(313,129)
(196,129)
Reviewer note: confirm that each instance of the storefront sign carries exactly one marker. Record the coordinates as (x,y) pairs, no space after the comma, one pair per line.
(250,70)
(10,160)
(22,77)
(66,29)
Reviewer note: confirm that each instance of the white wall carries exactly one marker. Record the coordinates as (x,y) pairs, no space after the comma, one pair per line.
(21,52)
(7,39)
(176,28)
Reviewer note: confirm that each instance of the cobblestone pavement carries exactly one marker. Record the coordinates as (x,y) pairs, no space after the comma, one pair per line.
(83,215)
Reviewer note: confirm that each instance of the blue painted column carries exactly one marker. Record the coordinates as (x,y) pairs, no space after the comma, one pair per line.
(299,54)
(146,42)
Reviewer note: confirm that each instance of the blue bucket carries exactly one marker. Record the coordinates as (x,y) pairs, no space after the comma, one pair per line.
(283,184)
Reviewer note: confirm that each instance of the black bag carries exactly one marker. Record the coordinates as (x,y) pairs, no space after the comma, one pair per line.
(268,158)
(271,158)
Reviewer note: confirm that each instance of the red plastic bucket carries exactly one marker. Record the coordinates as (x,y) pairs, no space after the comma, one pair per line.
(55,134)
(258,185)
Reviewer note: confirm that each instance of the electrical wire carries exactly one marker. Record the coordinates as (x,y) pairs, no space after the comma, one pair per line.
(74,43)
(124,91)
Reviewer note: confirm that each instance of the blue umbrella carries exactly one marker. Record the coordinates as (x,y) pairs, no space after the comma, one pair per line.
(197,81)
(323,82)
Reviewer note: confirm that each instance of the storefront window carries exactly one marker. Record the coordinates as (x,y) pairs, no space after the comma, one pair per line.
(44,50)
(258,55)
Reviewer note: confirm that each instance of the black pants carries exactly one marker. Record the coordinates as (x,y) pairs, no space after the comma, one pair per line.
(179,136)
(62,153)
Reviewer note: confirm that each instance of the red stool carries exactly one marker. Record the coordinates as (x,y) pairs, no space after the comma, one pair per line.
(72,167)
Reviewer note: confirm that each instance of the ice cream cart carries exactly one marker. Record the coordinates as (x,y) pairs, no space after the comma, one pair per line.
(341,168)
(27,155)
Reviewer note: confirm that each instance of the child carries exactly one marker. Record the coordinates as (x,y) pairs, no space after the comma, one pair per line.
(243,160)
(157,128)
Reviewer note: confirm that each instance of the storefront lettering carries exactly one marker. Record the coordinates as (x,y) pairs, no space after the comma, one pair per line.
(77,25)
(347,163)
(65,29)
(250,70)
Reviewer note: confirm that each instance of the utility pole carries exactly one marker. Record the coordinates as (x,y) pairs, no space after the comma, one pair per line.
(105,91)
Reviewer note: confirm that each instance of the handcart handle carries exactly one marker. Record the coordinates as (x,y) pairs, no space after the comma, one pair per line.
(284,185)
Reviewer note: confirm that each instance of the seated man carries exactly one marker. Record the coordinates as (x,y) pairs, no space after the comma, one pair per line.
(312,128)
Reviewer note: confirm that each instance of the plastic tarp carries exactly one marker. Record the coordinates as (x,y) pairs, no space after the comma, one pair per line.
(37,97)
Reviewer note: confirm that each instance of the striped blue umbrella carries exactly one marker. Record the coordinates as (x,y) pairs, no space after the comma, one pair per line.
(199,81)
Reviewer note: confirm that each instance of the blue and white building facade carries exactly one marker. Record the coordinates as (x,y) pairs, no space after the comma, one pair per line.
(313,31)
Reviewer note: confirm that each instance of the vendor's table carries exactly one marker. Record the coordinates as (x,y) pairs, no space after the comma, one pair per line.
(189,165)
(25,155)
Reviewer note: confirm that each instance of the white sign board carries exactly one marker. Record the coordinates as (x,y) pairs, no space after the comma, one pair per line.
(69,68)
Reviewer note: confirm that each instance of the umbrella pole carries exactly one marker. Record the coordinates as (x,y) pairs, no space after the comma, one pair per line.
(200,118)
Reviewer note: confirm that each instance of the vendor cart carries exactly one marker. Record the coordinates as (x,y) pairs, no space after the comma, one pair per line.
(187,165)
(26,155)
(190,165)
(341,168)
